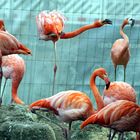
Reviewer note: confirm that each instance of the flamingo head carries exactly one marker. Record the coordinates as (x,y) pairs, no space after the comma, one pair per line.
(101,72)
(2,27)
(129,21)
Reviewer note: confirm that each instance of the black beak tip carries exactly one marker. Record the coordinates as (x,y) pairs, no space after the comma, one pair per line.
(107,21)
(107,85)
(133,22)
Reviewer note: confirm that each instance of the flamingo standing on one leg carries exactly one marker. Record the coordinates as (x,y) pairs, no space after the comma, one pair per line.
(9,45)
(120,52)
(121,115)
(50,27)
(13,67)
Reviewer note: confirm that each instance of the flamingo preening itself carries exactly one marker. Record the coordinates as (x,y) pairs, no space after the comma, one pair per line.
(51,25)
(69,105)
(13,68)
(9,45)
(114,91)
(120,52)
(121,116)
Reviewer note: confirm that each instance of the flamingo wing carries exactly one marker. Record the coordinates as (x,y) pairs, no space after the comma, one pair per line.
(119,91)
(121,115)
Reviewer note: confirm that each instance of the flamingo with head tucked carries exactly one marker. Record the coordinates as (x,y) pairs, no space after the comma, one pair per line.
(50,27)
(71,105)
(120,52)
(121,116)
(13,68)
(9,45)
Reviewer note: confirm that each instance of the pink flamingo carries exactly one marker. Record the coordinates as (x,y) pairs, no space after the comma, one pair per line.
(13,67)
(121,115)
(114,91)
(69,105)
(50,27)
(9,45)
(120,52)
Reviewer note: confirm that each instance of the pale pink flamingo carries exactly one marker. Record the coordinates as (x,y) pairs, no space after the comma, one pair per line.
(50,27)
(120,52)
(13,68)
(9,45)
(121,116)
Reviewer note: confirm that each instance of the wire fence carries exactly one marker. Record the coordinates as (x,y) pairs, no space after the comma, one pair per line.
(77,57)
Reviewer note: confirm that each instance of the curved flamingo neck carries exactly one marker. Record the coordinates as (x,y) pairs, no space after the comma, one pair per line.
(125,37)
(96,93)
(96,24)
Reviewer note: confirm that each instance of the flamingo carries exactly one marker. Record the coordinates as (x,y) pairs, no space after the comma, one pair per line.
(121,115)
(120,52)
(69,105)
(113,92)
(13,67)
(9,45)
(50,27)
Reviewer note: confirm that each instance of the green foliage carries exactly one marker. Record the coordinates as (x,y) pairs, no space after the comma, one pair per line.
(18,123)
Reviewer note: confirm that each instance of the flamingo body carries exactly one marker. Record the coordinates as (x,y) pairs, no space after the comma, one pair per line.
(10,45)
(119,91)
(69,105)
(116,50)
(121,115)
(13,67)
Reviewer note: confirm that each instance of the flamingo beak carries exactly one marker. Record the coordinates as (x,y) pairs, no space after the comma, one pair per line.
(133,22)
(107,82)
(107,21)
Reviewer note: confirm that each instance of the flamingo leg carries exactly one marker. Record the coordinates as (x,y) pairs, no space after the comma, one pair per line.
(64,130)
(69,130)
(109,136)
(55,68)
(121,136)
(124,73)
(3,90)
(1,74)
(114,133)
(115,67)
(70,123)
